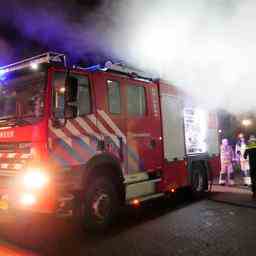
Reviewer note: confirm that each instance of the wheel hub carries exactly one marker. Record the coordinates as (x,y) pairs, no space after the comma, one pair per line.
(199,182)
(101,206)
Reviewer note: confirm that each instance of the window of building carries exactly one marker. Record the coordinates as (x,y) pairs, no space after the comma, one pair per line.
(114,97)
(136,100)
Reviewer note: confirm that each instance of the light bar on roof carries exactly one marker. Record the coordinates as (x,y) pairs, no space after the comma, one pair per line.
(2,72)
(34,62)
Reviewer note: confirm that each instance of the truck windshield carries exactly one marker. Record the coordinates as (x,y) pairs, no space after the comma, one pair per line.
(22,98)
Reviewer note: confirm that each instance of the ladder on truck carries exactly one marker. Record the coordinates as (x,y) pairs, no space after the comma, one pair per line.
(48,57)
(119,68)
(134,73)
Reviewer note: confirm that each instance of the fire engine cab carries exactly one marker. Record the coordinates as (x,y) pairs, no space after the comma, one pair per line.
(84,141)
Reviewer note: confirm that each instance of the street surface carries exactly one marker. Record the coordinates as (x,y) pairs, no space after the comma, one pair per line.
(223,224)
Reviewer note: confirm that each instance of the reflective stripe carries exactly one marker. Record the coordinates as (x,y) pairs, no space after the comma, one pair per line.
(87,128)
(25,156)
(226,161)
(72,129)
(11,155)
(112,125)
(4,166)
(104,131)
(251,146)
(61,135)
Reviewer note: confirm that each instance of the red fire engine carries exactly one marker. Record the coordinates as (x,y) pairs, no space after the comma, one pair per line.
(83,141)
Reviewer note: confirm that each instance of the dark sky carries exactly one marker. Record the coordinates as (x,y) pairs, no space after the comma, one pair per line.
(31,27)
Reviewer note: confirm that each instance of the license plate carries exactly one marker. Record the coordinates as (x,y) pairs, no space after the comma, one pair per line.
(3,205)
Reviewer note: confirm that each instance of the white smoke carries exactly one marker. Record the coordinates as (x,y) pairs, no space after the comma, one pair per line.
(206,47)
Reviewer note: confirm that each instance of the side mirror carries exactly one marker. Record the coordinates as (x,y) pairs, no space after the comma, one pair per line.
(71,92)
(71,89)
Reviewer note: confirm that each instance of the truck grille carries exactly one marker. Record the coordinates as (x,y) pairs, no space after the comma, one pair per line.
(15,147)
(13,157)
(10,168)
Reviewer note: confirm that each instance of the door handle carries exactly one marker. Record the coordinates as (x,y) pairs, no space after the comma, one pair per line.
(152,143)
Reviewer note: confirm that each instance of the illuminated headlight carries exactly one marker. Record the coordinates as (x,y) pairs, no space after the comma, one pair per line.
(27,199)
(35,179)
(34,66)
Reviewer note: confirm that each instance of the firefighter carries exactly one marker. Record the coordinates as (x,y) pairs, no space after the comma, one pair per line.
(226,157)
(244,163)
(251,152)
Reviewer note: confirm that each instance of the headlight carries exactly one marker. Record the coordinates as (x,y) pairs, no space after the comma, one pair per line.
(28,199)
(35,179)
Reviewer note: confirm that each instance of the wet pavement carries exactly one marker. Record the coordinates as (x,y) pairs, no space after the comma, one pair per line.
(8,249)
(238,196)
(222,223)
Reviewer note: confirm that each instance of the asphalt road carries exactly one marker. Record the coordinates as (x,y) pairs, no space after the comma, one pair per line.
(202,227)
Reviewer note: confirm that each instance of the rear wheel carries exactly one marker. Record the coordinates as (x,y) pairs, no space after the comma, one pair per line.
(198,180)
(100,204)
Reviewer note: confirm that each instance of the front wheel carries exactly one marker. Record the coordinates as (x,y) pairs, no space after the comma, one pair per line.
(100,204)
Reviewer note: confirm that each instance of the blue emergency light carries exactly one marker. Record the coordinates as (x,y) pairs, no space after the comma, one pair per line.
(2,74)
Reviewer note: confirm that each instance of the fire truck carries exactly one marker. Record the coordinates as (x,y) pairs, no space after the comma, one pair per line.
(82,142)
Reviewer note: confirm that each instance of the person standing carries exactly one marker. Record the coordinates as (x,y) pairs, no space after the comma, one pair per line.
(251,152)
(226,158)
(244,163)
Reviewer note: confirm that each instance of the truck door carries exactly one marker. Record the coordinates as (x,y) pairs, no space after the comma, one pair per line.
(143,129)
(72,143)
(110,112)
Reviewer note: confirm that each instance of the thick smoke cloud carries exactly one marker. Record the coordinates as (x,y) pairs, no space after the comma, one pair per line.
(206,47)
(6,52)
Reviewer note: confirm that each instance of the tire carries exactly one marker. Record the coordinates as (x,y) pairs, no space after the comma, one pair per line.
(100,206)
(198,180)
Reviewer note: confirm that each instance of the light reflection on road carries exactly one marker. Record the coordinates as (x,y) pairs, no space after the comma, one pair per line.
(10,250)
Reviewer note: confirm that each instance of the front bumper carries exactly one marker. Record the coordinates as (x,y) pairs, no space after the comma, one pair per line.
(57,198)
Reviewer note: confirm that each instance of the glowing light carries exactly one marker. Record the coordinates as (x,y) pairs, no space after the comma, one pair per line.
(34,66)
(2,74)
(240,135)
(62,90)
(17,166)
(35,179)
(136,202)
(246,122)
(219,131)
(33,151)
(172,190)
(28,199)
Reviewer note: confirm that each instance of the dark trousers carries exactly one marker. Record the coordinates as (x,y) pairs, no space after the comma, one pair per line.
(253,179)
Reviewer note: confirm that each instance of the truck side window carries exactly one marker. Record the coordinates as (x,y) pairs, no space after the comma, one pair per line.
(136,100)
(83,96)
(114,98)
(58,99)
(83,101)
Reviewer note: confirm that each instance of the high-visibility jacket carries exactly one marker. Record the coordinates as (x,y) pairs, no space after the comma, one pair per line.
(226,154)
(240,150)
(251,152)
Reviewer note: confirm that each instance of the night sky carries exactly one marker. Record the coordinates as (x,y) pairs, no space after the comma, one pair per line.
(70,26)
